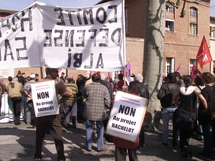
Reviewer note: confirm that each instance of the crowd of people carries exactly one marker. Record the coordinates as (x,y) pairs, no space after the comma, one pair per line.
(187,101)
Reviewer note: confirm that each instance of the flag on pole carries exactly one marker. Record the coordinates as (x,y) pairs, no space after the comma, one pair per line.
(178,68)
(194,72)
(204,56)
(128,67)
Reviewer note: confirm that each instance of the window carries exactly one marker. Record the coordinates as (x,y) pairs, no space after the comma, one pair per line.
(192,62)
(193,28)
(212,32)
(193,12)
(169,8)
(169,65)
(169,25)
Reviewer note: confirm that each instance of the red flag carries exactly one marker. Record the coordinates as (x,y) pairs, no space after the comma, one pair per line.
(194,72)
(204,56)
(178,68)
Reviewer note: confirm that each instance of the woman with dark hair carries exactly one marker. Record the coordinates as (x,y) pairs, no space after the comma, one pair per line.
(204,115)
(188,100)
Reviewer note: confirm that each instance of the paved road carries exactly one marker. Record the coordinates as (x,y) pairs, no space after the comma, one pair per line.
(17,143)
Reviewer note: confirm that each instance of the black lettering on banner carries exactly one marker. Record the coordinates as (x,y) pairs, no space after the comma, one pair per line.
(7,24)
(79,17)
(78,60)
(59,37)
(69,38)
(90,13)
(105,37)
(14,18)
(114,20)
(43,95)
(91,62)
(81,38)
(94,35)
(27,19)
(60,16)
(100,61)
(48,42)
(8,47)
(69,58)
(116,38)
(127,110)
(23,39)
(70,17)
(98,18)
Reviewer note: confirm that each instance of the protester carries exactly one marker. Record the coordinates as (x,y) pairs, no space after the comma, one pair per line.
(36,78)
(71,104)
(15,91)
(52,120)
(186,108)
(204,115)
(21,79)
(30,114)
(144,92)
(120,83)
(80,82)
(2,90)
(97,103)
(62,77)
(123,146)
(169,88)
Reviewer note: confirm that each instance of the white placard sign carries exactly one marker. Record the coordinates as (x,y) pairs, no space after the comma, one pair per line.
(90,38)
(126,116)
(44,98)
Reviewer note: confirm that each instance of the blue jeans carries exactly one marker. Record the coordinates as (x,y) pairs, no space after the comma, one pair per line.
(208,138)
(167,114)
(100,133)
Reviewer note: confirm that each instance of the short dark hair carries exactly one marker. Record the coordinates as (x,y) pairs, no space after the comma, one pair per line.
(96,77)
(171,78)
(120,76)
(10,78)
(208,77)
(49,70)
(135,87)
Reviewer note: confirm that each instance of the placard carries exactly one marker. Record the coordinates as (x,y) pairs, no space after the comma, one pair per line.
(126,116)
(44,98)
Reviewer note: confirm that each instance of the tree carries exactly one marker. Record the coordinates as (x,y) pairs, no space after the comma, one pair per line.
(154,45)
(153,49)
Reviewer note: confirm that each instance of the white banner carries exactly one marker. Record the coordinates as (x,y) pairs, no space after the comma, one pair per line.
(44,98)
(41,35)
(126,116)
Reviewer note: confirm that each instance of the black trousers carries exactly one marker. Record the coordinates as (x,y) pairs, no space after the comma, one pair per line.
(121,153)
(56,129)
(17,104)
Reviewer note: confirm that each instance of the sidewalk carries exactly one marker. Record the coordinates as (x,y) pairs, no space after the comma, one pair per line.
(18,144)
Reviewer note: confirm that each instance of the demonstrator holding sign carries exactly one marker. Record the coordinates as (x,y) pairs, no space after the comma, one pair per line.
(52,119)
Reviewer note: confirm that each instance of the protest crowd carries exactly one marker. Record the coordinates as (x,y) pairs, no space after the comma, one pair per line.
(186,101)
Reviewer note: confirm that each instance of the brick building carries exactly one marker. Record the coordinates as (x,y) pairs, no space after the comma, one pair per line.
(182,36)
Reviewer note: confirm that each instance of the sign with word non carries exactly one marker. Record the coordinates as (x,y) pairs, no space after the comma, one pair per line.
(126,116)
(44,98)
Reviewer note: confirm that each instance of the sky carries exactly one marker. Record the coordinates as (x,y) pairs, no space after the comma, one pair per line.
(21,4)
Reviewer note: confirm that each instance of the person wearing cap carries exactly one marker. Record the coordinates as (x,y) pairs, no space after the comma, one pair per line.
(29,112)
(62,77)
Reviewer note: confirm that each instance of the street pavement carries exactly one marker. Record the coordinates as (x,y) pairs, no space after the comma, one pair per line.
(17,143)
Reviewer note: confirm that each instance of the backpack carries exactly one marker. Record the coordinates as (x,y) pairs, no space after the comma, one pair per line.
(165,96)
